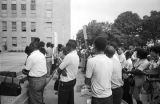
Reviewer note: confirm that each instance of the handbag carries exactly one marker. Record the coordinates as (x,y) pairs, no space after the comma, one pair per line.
(9,74)
(56,85)
(10,88)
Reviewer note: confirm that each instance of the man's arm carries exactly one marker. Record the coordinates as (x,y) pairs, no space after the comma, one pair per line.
(63,72)
(89,73)
(28,66)
(87,81)
(62,67)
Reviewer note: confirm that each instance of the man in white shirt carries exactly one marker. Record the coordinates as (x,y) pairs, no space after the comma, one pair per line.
(68,70)
(49,53)
(117,82)
(36,66)
(98,74)
(122,57)
(129,64)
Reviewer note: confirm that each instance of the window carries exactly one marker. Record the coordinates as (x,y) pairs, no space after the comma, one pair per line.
(13,6)
(24,41)
(14,41)
(4,41)
(49,13)
(33,26)
(4,25)
(23,25)
(48,26)
(23,6)
(14,26)
(4,6)
(33,5)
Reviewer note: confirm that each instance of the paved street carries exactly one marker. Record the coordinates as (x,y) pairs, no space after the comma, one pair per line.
(15,61)
(50,96)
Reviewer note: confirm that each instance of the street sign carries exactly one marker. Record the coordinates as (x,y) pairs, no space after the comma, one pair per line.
(84,32)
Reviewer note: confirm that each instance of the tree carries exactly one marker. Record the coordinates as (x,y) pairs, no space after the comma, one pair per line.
(128,23)
(94,29)
(151,26)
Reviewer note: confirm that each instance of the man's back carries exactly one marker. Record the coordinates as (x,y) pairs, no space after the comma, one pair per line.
(36,63)
(49,52)
(100,68)
(117,74)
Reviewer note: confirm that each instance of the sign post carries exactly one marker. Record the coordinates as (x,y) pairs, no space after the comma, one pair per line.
(85,34)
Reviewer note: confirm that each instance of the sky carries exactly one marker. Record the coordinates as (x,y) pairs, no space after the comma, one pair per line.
(84,11)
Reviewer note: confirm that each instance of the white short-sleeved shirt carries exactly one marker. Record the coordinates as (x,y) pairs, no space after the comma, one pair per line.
(70,63)
(49,53)
(117,74)
(36,64)
(129,64)
(99,69)
(141,64)
(122,59)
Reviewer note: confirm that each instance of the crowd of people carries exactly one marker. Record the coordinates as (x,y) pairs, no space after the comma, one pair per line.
(112,72)
(41,63)
(132,71)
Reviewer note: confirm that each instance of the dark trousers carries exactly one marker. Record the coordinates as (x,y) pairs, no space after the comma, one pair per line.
(36,89)
(107,100)
(117,94)
(126,94)
(66,92)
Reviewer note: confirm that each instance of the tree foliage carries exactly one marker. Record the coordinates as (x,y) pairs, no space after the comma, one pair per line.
(128,23)
(94,29)
(128,28)
(151,26)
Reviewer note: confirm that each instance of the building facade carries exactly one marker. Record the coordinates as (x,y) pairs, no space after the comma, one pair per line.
(23,20)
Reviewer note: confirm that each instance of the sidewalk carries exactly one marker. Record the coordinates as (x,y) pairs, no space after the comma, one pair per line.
(51,98)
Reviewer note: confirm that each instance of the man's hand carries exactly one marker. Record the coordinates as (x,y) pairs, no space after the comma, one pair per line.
(63,72)
(25,72)
(88,81)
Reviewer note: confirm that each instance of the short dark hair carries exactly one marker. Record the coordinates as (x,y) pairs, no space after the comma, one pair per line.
(48,44)
(109,51)
(100,43)
(155,49)
(34,45)
(72,44)
(128,54)
(37,39)
(60,46)
(52,45)
(41,44)
(142,53)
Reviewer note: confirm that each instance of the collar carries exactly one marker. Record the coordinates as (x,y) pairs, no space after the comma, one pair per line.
(34,51)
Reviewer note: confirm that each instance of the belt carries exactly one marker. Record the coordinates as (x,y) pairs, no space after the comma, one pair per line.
(49,57)
(116,87)
(69,83)
(37,77)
